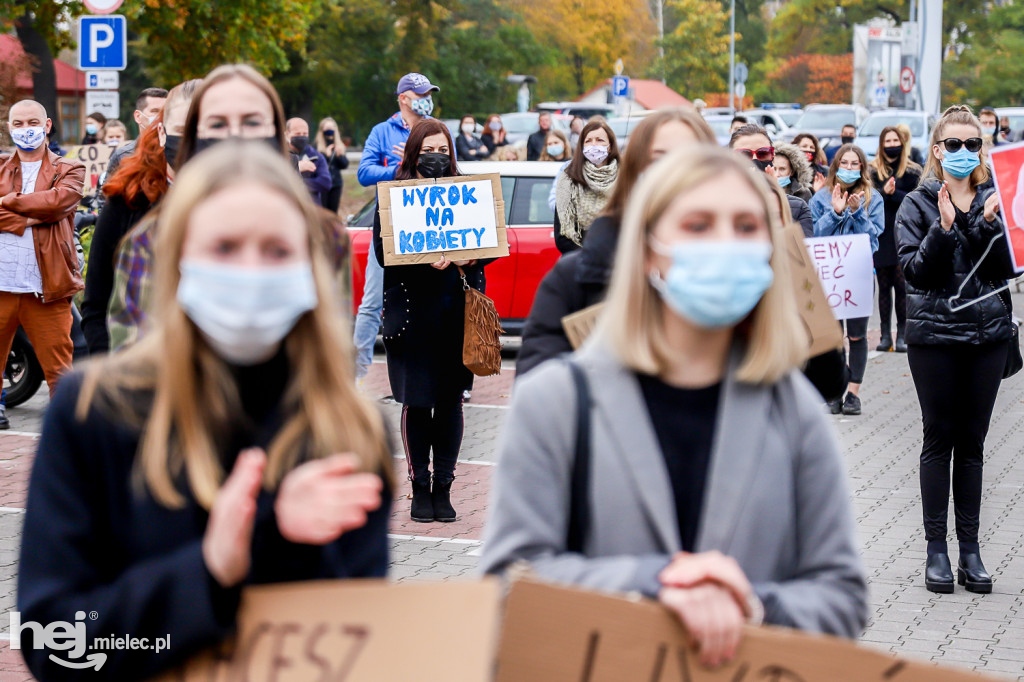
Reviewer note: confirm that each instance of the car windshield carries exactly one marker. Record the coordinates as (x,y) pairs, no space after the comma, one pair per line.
(874,125)
(520,124)
(791,116)
(826,119)
(622,127)
(720,126)
(1016,121)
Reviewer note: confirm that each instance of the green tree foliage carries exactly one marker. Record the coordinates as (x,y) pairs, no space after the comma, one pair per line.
(697,49)
(989,71)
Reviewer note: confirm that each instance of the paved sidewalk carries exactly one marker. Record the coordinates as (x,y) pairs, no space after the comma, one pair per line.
(881,449)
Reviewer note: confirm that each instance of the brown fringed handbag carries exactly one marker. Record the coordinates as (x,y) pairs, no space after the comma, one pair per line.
(481,346)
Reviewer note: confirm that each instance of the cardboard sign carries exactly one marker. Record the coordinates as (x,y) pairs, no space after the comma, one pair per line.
(95,158)
(462,218)
(555,634)
(357,631)
(846,270)
(819,322)
(580,324)
(1008,173)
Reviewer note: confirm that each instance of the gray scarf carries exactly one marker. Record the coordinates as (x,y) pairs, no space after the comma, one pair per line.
(577,204)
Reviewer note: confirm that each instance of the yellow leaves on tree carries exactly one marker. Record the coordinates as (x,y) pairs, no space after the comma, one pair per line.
(697,50)
(820,78)
(591,35)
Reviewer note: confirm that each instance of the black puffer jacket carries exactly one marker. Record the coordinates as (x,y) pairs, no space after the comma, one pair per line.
(936,262)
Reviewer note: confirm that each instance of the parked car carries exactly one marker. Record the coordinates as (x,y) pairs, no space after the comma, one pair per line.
(622,127)
(720,124)
(581,109)
(1016,116)
(519,126)
(826,121)
(511,281)
(776,119)
(920,123)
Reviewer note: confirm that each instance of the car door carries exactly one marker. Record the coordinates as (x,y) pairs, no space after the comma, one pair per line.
(501,272)
(532,222)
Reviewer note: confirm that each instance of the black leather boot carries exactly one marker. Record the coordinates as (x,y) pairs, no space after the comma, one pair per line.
(422,504)
(884,342)
(971,573)
(938,574)
(901,339)
(441,497)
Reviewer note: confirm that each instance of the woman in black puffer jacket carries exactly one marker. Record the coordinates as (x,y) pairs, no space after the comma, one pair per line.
(958,342)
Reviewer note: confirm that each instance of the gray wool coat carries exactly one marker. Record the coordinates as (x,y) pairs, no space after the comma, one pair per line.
(776,497)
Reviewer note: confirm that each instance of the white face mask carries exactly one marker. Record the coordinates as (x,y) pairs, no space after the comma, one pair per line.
(245,313)
(468,128)
(28,139)
(595,153)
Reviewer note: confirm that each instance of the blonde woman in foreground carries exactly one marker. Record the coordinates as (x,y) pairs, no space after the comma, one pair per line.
(228,447)
(705,473)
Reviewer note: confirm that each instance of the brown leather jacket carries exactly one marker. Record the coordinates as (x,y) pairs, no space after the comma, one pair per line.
(50,212)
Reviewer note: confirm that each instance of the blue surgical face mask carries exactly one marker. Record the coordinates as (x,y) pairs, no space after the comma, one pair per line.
(784,181)
(555,149)
(91,128)
(848,177)
(960,164)
(422,107)
(988,130)
(245,313)
(714,284)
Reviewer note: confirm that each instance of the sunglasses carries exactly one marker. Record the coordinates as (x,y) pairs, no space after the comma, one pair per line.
(953,144)
(762,154)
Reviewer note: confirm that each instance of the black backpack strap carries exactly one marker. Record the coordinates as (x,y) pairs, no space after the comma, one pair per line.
(579,498)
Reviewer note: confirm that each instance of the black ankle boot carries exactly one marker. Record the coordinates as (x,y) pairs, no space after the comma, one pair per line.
(422,503)
(971,573)
(901,340)
(938,574)
(884,342)
(441,497)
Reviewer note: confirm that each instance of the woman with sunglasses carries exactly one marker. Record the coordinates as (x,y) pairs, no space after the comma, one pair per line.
(957,338)
(752,142)
(894,175)
(849,204)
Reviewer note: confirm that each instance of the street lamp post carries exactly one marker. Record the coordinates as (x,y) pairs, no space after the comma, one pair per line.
(732,56)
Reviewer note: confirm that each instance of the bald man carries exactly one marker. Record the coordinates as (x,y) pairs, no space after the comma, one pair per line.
(309,162)
(38,266)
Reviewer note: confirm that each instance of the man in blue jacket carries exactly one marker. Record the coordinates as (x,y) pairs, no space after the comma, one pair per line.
(382,154)
(310,163)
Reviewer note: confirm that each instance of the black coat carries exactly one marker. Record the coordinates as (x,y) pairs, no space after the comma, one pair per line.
(464,145)
(93,542)
(580,280)
(801,214)
(936,262)
(488,139)
(424,318)
(797,189)
(885,257)
(535,145)
(335,164)
(115,221)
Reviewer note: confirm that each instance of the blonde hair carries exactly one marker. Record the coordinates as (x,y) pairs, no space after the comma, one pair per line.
(321,143)
(957,114)
(194,399)
(881,164)
(633,319)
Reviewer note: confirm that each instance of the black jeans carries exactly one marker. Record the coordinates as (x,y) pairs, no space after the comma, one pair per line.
(332,199)
(857,332)
(890,279)
(956,386)
(439,428)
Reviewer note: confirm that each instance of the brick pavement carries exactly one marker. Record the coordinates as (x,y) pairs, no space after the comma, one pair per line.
(881,448)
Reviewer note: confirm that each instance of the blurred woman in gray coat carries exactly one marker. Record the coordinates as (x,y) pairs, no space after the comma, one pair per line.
(711,478)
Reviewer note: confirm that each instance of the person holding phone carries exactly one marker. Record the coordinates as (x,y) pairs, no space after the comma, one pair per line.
(330,145)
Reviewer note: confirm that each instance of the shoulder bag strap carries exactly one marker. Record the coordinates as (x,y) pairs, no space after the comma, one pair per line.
(579,498)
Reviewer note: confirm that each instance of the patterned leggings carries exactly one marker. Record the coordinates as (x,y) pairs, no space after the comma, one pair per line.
(891,278)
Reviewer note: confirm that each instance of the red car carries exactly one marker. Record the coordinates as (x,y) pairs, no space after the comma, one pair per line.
(512,281)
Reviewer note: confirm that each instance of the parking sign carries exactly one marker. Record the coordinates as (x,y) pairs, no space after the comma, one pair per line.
(102,43)
(620,86)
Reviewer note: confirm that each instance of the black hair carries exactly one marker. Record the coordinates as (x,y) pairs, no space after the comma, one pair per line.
(739,119)
(749,129)
(140,101)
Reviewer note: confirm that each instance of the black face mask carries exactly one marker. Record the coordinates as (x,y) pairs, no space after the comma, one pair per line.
(847,139)
(762,165)
(171,147)
(300,142)
(893,153)
(328,136)
(433,165)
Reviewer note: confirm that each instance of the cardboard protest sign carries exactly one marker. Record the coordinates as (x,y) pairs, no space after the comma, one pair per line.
(554,634)
(580,324)
(95,157)
(351,631)
(462,218)
(1008,173)
(820,324)
(846,270)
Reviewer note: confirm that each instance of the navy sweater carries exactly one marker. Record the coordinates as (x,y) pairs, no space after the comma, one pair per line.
(94,542)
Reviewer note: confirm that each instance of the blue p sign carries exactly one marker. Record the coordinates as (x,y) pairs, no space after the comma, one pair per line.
(620,86)
(102,42)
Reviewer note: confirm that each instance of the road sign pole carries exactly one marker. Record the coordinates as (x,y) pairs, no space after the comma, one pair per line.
(732,55)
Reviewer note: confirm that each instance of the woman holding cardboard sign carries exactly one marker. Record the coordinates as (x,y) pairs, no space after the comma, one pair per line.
(950,244)
(224,449)
(424,317)
(680,453)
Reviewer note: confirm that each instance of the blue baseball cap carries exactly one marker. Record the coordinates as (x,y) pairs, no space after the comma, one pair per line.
(416,82)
